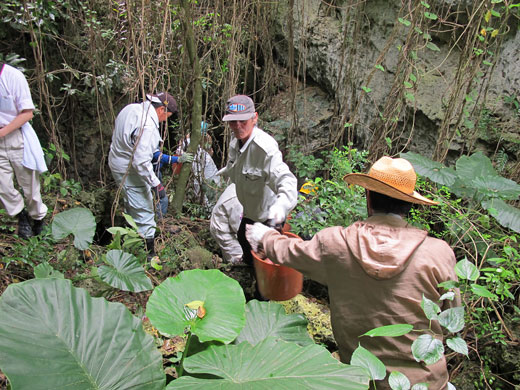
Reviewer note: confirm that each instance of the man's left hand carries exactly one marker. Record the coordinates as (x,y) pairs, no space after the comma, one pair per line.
(276,214)
(185,158)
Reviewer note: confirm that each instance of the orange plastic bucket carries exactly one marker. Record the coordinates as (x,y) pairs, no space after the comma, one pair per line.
(277,282)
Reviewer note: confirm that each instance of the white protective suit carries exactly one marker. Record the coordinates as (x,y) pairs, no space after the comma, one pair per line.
(136,136)
(224,224)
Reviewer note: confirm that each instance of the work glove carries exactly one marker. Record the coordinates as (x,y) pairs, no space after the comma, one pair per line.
(159,191)
(276,217)
(185,158)
(255,234)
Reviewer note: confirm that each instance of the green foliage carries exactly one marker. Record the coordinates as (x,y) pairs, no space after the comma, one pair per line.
(124,272)
(127,239)
(211,306)
(268,319)
(476,180)
(271,364)
(45,271)
(66,338)
(78,222)
(306,165)
(32,251)
(168,308)
(333,202)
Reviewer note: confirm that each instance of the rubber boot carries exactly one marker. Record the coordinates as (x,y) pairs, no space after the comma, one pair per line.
(38,227)
(150,247)
(24,225)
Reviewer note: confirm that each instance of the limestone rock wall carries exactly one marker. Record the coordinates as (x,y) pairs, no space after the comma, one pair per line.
(338,55)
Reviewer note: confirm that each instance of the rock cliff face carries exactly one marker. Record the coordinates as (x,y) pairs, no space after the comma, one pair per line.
(440,80)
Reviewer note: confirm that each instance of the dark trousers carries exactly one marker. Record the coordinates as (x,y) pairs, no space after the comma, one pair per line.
(241,236)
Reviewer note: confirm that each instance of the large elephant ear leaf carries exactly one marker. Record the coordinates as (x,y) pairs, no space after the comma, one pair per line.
(271,364)
(507,215)
(78,221)
(55,336)
(209,303)
(475,165)
(265,319)
(433,170)
(124,272)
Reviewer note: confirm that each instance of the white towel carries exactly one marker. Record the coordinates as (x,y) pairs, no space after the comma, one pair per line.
(33,157)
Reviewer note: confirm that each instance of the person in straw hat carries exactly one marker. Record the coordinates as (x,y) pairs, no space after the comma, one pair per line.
(376,270)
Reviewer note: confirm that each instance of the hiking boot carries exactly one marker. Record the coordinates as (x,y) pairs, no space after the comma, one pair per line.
(38,227)
(150,247)
(24,225)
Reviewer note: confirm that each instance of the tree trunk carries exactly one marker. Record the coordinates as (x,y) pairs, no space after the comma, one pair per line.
(196,106)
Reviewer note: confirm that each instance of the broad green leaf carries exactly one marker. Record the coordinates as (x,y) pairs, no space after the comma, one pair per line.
(428,349)
(124,272)
(130,221)
(366,89)
(507,215)
(398,381)
(430,308)
(420,386)
(78,221)
(380,67)
(452,319)
(467,270)
(497,187)
(433,170)
(45,271)
(264,319)
(474,166)
(117,229)
(458,345)
(425,4)
(66,339)
(390,330)
(482,291)
(362,357)
(412,77)
(407,84)
(431,15)
(271,364)
(223,299)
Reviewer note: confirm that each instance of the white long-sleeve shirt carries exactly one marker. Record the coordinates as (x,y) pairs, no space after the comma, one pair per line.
(136,126)
(261,177)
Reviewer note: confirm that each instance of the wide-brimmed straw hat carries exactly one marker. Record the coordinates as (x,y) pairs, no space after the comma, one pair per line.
(394,177)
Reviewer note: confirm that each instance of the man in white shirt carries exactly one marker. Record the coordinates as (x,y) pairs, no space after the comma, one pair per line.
(135,139)
(21,154)
(265,186)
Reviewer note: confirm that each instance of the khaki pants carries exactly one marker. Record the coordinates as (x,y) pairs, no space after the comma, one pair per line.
(11,156)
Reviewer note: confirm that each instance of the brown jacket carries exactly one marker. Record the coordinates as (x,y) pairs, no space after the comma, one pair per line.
(376,271)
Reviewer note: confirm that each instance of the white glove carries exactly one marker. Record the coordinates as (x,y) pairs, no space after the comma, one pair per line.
(255,234)
(276,214)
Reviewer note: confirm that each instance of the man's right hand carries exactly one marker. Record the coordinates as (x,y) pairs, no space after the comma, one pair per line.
(159,191)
